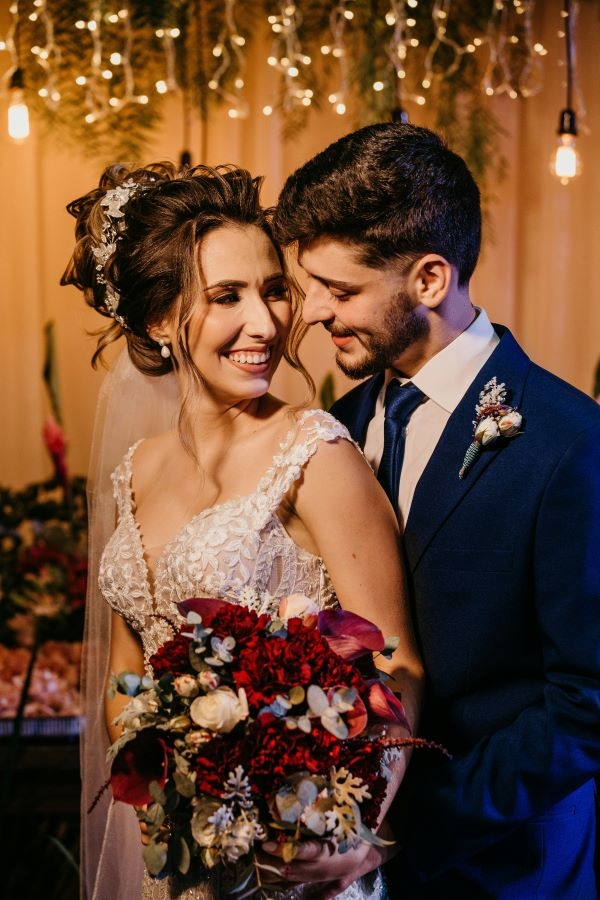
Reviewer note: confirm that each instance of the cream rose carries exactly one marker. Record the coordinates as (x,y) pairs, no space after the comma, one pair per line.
(220,710)
(487,431)
(510,423)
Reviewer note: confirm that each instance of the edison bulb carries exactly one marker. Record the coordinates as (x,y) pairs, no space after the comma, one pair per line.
(566,162)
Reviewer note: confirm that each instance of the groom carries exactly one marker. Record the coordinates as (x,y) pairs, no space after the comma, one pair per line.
(502,542)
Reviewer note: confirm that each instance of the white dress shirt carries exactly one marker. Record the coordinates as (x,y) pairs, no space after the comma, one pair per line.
(444,380)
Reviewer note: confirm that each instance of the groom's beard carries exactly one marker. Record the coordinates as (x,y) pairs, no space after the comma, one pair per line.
(401,328)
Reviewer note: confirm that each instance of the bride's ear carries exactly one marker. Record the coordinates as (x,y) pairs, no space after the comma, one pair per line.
(159,333)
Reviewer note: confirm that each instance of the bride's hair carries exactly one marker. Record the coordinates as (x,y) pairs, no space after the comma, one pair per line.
(136,257)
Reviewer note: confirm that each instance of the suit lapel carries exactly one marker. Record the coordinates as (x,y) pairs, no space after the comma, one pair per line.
(440,489)
(356,408)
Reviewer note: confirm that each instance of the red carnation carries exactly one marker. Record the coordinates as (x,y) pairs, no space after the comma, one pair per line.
(225,618)
(172,658)
(278,752)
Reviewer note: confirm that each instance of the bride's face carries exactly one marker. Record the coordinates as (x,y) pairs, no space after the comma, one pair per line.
(239,327)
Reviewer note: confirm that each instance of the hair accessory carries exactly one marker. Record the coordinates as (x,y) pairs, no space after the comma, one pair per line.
(113,202)
(165,350)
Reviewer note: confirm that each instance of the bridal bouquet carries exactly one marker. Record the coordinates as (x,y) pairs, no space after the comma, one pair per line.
(254,728)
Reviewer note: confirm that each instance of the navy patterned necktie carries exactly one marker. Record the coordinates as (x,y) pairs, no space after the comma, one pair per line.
(401,400)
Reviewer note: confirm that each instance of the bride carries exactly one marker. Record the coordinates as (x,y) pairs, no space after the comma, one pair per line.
(237,490)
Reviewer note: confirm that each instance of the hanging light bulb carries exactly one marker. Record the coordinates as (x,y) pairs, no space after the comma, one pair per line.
(18,114)
(565,162)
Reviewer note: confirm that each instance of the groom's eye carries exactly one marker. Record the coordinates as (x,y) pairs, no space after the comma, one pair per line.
(340,295)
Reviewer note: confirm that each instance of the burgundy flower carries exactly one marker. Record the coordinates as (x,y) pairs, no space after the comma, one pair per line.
(349,634)
(142,760)
(172,658)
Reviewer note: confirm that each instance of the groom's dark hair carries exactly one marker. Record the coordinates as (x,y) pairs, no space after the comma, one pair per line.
(394,191)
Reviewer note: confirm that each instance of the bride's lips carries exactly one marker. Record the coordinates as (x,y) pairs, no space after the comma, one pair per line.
(251,359)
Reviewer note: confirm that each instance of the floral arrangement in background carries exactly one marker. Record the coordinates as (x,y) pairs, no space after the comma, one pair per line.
(254,728)
(43,577)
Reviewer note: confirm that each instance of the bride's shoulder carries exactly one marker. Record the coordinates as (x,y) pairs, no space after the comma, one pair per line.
(319,425)
(149,456)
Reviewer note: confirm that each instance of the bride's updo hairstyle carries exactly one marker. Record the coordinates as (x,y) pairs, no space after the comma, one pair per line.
(136,258)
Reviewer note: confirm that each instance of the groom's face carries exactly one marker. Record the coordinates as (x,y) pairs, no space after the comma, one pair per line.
(368,312)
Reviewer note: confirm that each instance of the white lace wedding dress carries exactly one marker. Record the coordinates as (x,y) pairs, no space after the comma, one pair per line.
(236,550)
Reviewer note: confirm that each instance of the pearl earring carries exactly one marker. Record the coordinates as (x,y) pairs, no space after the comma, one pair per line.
(165,350)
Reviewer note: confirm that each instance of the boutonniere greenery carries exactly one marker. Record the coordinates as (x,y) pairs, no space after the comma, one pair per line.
(495,419)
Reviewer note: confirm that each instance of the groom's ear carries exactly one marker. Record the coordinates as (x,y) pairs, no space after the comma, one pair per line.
(430,279)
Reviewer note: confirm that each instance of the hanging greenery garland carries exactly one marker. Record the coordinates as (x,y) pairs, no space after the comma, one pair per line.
(98,73)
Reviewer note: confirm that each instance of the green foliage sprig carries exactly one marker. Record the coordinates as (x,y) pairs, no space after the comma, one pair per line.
(456,103)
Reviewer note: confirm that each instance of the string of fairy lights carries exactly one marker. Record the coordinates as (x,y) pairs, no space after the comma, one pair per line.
(109,78)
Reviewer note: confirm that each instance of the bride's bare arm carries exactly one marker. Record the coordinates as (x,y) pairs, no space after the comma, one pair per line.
(354,529)
(350,523)
(125,656)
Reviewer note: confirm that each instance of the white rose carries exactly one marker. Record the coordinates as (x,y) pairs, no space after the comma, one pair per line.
(220,710)
(186,686)
(487,431)
(510,423)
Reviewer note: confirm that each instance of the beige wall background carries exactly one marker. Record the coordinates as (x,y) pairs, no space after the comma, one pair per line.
(538,274)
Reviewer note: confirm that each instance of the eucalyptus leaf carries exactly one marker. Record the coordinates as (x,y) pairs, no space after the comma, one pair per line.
(371,838)
(184,784)
(297,695)
(185,857)
(157,793)
(155,857)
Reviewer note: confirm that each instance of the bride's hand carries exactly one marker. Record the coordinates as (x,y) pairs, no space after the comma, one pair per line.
(318,863)
(143,827)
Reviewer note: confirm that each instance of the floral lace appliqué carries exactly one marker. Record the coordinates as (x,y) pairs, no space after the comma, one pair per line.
(238,550)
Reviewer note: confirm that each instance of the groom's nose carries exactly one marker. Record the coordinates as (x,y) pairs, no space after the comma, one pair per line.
(317,306)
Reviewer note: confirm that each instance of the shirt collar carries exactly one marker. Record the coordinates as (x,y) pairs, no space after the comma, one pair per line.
(446,377)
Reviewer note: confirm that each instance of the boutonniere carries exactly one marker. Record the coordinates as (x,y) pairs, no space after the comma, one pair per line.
(494,419)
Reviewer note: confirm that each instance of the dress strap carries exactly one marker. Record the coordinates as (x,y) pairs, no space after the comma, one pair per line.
(121,479)
(312,427)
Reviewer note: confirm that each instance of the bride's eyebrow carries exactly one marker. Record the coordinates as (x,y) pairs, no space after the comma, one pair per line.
(230,283)
(226,283)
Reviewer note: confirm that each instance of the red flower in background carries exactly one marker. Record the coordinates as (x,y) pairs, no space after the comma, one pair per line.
(56,443)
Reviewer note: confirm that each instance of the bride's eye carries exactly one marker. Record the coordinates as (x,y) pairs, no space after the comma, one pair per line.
(227,299)
(278,291)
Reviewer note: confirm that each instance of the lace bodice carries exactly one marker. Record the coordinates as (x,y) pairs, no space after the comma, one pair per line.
(237,550)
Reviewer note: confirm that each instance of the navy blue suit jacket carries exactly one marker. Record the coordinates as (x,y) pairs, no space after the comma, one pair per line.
(504,579)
